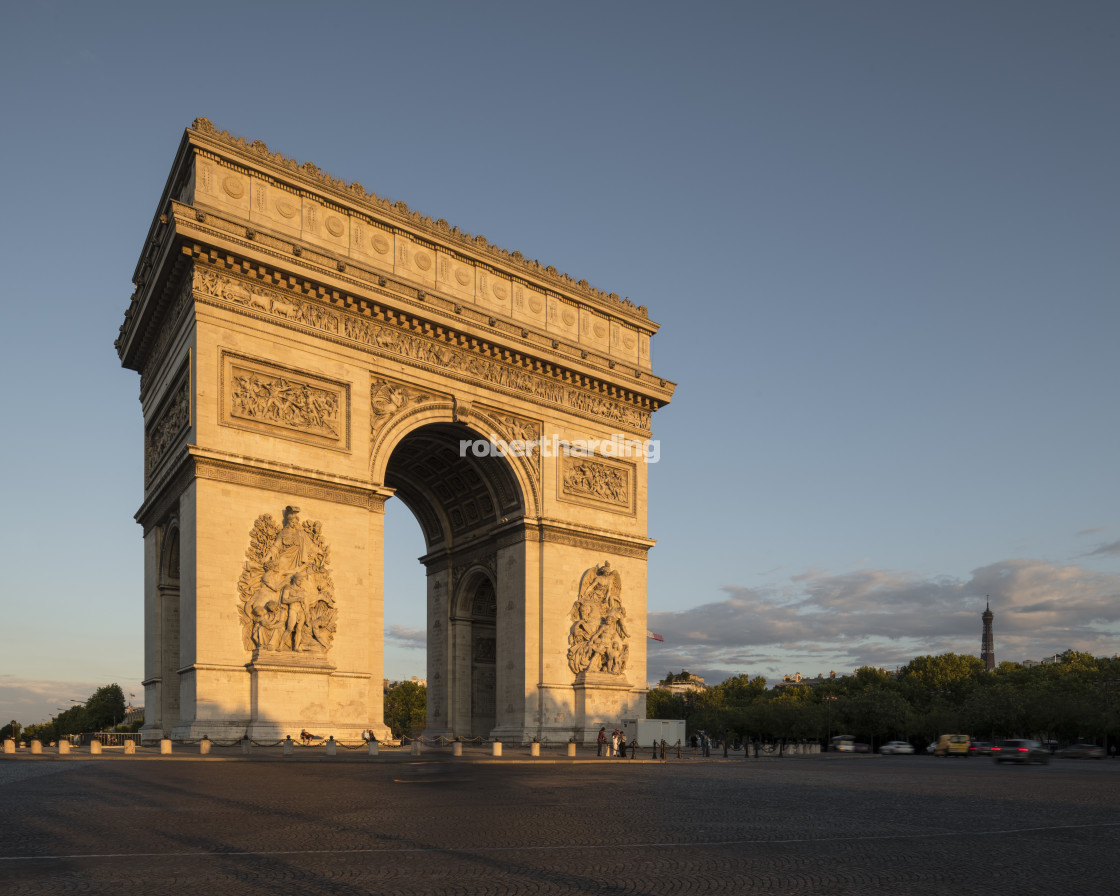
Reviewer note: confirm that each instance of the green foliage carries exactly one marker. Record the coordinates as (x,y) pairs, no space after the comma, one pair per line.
(406,708)
(662,704)
(105,708)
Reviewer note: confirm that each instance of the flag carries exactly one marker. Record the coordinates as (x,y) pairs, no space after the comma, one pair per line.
(654,637)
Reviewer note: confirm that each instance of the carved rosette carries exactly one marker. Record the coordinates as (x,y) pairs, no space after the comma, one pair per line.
(286,596)
(597,639)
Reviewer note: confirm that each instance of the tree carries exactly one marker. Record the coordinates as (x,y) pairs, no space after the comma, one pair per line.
(105,707)
(949,675)
(663,704)
(406,708)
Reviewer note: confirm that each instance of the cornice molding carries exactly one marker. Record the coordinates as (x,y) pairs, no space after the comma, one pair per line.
(441,348)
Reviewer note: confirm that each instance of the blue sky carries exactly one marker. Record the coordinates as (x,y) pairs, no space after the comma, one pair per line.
(880,239)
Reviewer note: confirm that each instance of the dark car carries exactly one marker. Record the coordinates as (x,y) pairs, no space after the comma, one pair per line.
(1023,751)
(979,748)
(1082,751)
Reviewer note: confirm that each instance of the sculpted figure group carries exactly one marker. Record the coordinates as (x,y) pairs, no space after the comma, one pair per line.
(287,598)
(598,636)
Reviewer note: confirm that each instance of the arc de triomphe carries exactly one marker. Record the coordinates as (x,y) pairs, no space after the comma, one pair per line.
(307,351)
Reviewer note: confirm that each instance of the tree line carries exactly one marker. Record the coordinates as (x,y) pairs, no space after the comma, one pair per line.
(1075,698)
(102,711)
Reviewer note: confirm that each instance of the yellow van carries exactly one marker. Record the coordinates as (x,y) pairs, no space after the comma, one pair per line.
(952,745)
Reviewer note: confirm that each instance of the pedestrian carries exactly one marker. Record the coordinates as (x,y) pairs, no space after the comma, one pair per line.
(602,740)
(622,745)
(614,743)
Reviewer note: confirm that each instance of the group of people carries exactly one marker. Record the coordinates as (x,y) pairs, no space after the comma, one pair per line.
(613,745)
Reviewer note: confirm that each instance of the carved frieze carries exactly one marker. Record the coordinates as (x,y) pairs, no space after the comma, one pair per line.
(608,485)
(598,635)
(387,398)
(169,425)
(519,433)
(286,594)
(265,397)
(418,349)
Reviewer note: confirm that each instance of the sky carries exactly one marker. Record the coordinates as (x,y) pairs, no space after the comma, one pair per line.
(880,239)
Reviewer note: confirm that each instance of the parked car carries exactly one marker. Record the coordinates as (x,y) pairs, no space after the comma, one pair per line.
(896,746)
(1023,751)
(1081,751)
(979,748)
(932,748)
(861,748)
(952,745)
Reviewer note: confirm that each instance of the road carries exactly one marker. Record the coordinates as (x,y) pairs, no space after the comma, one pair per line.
(822,825)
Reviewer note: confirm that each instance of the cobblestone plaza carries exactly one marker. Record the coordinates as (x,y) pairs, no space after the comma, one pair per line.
(401,825)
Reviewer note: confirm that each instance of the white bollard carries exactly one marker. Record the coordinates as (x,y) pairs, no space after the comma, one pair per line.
(496,749)
(165,746)
(416,747)
(63,747)
(9,745)
(571,750)
(95,747)
(289,746)
(203,746)
(535,750)
(457,749)
(36,747)
(332,746)
(130,748)
(373,748)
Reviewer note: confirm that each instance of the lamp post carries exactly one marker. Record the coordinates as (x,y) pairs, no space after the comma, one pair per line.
(828,735)
(1107,708)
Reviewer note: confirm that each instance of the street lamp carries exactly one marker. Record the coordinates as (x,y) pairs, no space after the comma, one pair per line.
(828,703)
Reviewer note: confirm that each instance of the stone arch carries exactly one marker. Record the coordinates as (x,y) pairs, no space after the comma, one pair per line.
(323,363)
(471,509)
(474,424)
(473,651)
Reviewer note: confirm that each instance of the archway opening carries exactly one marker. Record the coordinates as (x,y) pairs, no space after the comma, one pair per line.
(461,500)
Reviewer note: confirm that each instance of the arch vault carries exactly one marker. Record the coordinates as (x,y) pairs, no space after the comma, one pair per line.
(307,352)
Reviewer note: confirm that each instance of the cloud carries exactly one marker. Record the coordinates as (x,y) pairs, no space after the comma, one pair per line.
(1105,549)
(30,701)
(819,622)
(412,638)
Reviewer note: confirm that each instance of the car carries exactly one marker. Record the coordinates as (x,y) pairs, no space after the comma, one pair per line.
(932,748)
(952,745)
(1081,751)
(1019,750)
(979,748)
(861,748)
(896,746)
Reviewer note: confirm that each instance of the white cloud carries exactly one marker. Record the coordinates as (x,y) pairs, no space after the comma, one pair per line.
(30,701)
(413,638)
(820,622)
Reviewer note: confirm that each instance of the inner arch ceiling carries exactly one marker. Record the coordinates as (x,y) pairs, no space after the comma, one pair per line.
(452,497)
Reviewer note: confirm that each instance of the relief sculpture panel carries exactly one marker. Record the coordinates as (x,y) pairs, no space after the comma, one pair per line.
(265,397)
(607,485)
(597,638)
(286,594)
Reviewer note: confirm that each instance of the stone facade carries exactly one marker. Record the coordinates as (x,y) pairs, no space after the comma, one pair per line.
(307,351)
